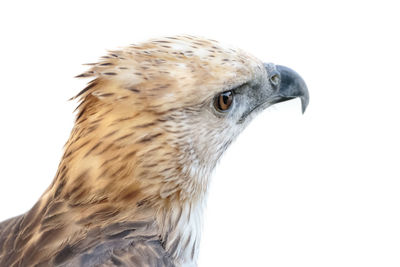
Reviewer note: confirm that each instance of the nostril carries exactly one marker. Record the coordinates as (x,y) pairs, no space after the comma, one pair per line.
(275,79)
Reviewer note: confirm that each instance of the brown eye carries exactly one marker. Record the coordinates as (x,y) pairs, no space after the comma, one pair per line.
(223,101)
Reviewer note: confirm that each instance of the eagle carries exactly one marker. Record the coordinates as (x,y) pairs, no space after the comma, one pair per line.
(151,125)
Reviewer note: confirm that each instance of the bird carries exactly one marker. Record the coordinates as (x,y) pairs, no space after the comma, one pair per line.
(150,127)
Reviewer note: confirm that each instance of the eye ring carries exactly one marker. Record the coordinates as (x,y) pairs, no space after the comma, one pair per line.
(223,101)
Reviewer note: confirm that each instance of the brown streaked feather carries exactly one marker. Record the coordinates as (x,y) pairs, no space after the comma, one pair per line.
(132,182)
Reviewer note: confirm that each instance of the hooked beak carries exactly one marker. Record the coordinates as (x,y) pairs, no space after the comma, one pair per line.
(286,85)
(290,86)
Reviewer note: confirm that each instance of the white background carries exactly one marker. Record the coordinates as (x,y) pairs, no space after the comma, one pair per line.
(320,189)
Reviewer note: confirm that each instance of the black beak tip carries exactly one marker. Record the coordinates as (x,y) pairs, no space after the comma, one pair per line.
(304,103)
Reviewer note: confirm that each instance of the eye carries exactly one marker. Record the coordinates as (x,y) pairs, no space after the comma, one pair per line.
(223,101)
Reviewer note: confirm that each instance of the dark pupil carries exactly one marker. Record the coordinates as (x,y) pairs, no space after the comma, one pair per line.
(225,100)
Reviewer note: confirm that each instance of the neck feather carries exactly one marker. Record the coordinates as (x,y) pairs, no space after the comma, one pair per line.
(104,180)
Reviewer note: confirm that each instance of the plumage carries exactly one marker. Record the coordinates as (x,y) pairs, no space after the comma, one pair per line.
(132,183)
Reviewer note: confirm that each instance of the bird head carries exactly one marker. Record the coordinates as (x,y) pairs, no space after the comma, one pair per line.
(161,113)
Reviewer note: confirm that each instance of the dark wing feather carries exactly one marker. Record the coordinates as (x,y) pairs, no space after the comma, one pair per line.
(139,251)
(122,244)
(9,231)
(118,244)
